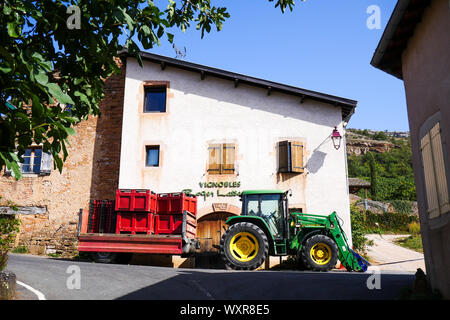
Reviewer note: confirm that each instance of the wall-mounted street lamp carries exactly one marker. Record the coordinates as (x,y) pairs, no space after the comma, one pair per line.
(336,138)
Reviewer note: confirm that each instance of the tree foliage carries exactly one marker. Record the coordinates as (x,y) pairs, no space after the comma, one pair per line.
(394,171)
(45,65)
(9,226)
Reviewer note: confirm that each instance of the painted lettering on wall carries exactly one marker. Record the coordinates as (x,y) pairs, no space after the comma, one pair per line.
(234,184)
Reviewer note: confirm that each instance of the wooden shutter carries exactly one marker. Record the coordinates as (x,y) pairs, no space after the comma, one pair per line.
(215,156)
(228,158)
(296,156)
(46,163)
(430,181)
(439,168)
(283,156)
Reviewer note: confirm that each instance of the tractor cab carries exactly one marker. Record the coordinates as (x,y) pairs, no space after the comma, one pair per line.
(271,206)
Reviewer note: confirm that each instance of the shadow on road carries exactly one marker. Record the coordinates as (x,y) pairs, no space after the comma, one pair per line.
(266,285)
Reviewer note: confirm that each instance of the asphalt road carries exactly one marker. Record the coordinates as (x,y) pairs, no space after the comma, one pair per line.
(58,280)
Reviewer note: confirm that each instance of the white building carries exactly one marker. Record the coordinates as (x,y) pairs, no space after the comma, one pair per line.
(217,133)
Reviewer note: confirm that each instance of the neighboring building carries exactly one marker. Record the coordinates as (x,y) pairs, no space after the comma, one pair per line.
(415,47)
(173,125)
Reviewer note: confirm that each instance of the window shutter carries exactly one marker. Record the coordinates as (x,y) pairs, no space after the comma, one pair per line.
(46,163)
(283,156)
(430,182)
(439,168)
(214,162)
(297,157)
(228,158)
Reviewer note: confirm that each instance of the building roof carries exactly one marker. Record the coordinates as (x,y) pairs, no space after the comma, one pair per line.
(400,28)
(263,192)
(356,182)
(347,106)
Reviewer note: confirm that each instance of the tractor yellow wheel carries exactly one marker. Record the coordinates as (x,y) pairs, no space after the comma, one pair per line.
(244,246)
(320,253)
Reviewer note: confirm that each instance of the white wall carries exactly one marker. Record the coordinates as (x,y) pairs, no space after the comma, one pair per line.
(200,112)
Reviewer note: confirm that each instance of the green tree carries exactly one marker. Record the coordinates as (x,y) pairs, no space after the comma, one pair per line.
(52,55)
(373,175)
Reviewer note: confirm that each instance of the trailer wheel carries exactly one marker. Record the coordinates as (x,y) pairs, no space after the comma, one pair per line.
(320,253)
(104,257)
(244,246)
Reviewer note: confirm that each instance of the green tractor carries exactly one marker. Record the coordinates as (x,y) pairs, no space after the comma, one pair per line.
(266,228)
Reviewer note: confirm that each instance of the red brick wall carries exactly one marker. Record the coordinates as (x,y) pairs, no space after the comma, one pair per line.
(91,171)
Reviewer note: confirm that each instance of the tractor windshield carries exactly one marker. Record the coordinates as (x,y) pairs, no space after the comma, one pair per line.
(270,208)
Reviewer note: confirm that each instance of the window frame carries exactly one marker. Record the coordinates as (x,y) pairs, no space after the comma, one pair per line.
(152,147)
(155,87)
(45,165)
(32,158)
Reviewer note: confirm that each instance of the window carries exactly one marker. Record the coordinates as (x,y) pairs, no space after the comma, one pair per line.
(32,163)
(270,208)
(221,158)
(36,161)
(434,172)
(152,158)
(155,99)
(290,157)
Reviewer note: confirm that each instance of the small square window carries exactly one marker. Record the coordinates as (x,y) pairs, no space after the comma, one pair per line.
(32,161)
(155,99)
(152,159)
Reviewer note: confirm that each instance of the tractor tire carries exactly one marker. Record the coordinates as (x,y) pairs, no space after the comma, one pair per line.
(320,253)
(244,246)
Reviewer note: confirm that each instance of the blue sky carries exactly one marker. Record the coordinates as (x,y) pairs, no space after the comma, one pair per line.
(324,46)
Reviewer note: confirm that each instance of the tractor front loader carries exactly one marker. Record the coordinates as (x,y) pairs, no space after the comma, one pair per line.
(266,228)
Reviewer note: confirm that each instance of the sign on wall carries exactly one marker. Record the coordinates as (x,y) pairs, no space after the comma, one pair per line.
(219,192)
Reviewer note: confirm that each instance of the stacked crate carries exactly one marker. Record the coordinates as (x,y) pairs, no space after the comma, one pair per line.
(170,210)
(102,218)
(136,211)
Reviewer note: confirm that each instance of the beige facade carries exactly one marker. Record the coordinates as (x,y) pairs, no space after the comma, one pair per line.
(423,62)
(211,112)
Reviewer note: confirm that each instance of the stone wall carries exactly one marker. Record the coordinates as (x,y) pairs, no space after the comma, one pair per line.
(91,171)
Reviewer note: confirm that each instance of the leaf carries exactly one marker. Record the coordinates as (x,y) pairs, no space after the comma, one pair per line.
(58,94)
(5,69)
(37,108)
(12,163)
(170,37)
(40,76)
(12,30)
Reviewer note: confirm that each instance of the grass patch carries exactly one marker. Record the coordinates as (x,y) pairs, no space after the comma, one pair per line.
(20,249)
(413,242)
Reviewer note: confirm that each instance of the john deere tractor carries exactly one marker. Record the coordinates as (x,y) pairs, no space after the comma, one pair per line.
(267,228)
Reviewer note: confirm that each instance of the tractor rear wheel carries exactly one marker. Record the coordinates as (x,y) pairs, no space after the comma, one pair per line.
(244,246)
(320,253)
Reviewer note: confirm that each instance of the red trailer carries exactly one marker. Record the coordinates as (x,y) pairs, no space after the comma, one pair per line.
(106,232)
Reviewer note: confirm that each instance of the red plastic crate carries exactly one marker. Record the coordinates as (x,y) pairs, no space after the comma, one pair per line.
(102,217)
(173,224)
(136,200)
(176,203)
(135,222)
(168,223)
